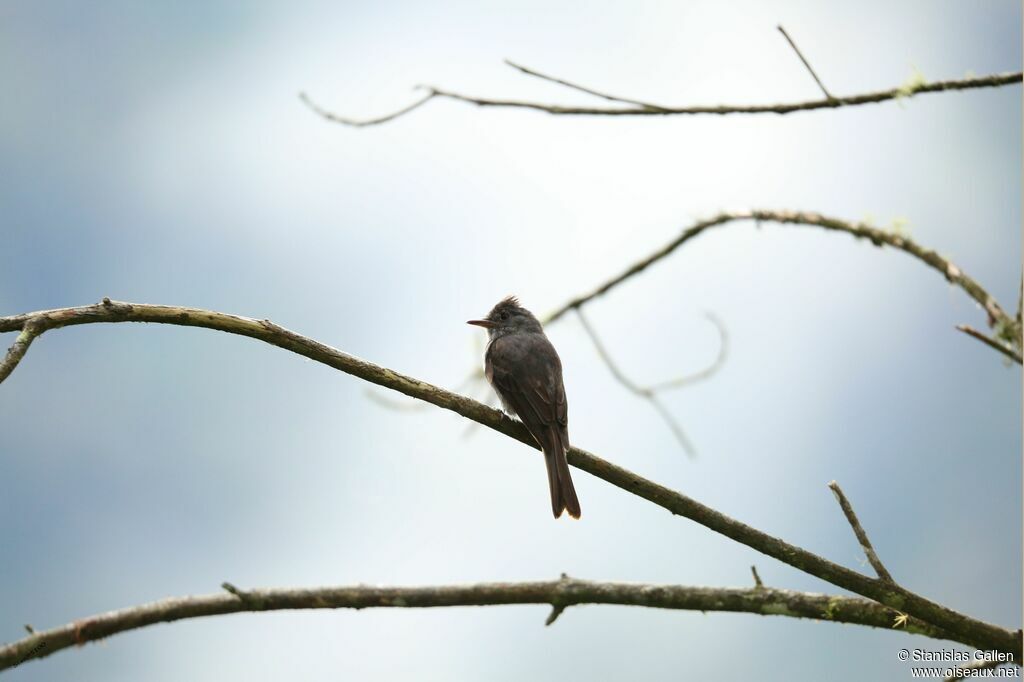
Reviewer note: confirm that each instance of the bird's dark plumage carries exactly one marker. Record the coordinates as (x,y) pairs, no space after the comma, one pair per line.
(526,373)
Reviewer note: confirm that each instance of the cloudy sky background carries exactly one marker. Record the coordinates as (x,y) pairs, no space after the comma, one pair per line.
(158,153)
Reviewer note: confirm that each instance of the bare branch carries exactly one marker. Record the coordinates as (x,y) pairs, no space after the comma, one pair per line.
(678,382)
(607,358)
(637,108)
(649,393)
(951,272)
(18,349)
(962,628)
(757,578)
(1003,348)
(806,63)
(403,405)
(674,425)
(573,86)
(560,594)
(858,530)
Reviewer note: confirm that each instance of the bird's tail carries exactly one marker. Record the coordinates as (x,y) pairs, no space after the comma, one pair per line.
(563,493)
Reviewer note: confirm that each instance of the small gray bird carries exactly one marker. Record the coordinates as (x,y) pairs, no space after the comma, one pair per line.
(524,369)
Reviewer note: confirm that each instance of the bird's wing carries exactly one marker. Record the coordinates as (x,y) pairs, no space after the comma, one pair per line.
(533,390)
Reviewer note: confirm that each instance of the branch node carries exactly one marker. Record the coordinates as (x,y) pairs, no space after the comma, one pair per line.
(271,326)
(32,328)
(757,578)
(556,611)
(228,587)
(29,629)
(79,632)
(558,605)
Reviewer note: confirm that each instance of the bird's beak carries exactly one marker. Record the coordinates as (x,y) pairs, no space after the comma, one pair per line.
(483,323)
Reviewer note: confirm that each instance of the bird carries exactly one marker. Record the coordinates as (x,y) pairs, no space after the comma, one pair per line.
(525,371)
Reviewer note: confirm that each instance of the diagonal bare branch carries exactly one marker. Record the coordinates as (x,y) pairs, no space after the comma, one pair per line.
(18,349)
(961,627)
(674,426)
(589,91)
(1004,348)
(800,54)
(559,594)
(858,530)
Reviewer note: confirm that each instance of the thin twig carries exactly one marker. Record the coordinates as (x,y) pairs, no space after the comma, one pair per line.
(961,627)
(556,611)
(1003,348)
(231,589)
(589,91)
(669,384)
(619,375)
(707,372)
(757,578)
(858,530)
(334,118)
(674,425)
(806,63)
(908,90)
(649,393)
(560,594)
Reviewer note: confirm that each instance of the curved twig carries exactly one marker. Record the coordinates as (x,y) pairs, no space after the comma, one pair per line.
(638,108)
(961,627)
(560,594)
(997,317)
(650,393)
(334,118)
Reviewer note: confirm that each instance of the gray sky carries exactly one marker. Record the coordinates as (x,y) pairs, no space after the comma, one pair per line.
(158,153)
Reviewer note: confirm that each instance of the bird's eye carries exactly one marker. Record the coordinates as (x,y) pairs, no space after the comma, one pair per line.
(504,315)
